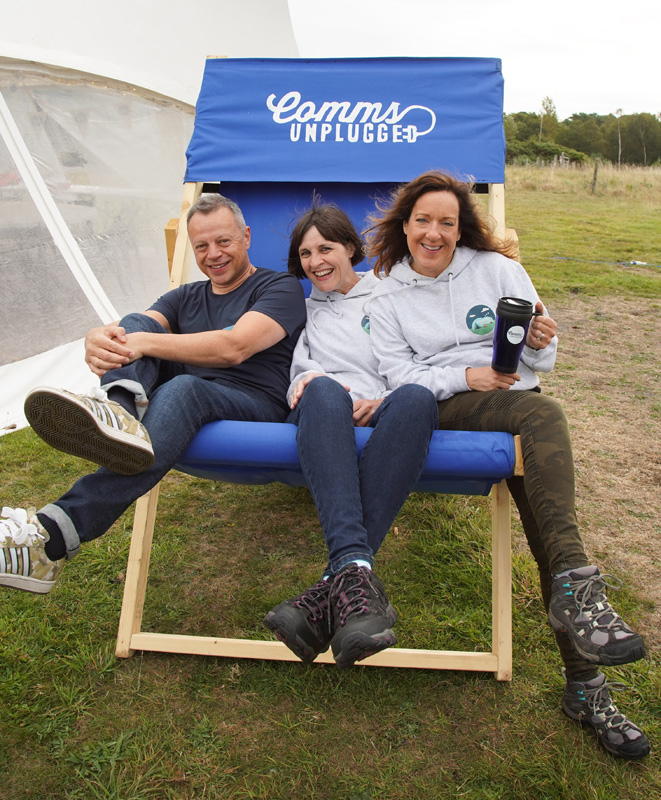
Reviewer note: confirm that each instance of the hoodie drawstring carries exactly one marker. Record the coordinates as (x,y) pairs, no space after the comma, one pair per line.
(328,305)
(456,334)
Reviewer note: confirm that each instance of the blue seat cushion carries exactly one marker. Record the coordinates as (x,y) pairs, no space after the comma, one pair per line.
(459,462)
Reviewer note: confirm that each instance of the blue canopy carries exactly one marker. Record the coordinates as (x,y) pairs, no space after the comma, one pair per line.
(273,131)
(348,120)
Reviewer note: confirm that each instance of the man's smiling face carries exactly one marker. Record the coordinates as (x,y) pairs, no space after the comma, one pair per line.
(221,248)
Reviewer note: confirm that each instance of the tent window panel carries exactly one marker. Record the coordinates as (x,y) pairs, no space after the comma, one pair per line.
(41,305)
(113,160)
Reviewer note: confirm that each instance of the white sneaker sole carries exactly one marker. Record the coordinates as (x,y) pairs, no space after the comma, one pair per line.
(67,424)
(26,584)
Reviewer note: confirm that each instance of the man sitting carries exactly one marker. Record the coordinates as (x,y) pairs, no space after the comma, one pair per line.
(216,349)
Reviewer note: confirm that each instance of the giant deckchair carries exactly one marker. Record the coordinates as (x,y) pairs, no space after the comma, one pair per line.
(269,133)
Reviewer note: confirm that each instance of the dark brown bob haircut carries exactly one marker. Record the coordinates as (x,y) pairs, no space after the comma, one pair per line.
(387,240)
(333,224)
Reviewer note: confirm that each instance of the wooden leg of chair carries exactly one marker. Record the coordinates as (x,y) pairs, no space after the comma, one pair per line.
(136,572)
(502,581)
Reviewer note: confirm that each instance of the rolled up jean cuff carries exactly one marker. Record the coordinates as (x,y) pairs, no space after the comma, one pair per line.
(141,401)
(66,526)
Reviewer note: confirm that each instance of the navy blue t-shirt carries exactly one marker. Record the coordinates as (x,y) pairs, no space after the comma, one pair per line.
(194,308)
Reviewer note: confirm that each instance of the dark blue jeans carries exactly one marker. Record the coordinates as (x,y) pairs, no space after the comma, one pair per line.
(357,499)
(179,405)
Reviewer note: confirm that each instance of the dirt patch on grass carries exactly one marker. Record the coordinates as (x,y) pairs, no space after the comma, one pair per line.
(607,377)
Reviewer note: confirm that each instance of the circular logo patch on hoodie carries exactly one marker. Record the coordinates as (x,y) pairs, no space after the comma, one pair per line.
(481,320)
(365,324)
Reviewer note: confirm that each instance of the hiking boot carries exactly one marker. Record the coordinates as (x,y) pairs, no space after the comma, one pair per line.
(580,608)
(362,617)
(303,623)
(90,426)
(590,704)
(23,560)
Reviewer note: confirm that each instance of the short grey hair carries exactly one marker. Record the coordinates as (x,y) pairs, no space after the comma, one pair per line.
(210,202)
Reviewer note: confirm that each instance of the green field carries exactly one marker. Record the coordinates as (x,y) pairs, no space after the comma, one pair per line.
(78,723)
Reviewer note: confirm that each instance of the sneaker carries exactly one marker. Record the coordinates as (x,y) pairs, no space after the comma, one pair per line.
(23,560)
(362,617)
(303,623)
(580,608)
(590,704)
(90,426)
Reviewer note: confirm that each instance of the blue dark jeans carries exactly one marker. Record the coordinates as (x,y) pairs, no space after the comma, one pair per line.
(179,405)
(357,499)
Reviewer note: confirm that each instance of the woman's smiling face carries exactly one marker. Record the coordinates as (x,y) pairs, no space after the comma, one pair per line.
(432,232)
(327,264)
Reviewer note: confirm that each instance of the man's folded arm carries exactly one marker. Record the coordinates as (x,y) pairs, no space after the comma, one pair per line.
(252,333)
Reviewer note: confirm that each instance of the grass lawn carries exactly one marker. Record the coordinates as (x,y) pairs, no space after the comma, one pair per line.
(78,723)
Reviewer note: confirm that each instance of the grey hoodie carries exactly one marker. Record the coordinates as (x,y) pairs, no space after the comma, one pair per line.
(336,341)
(429,330)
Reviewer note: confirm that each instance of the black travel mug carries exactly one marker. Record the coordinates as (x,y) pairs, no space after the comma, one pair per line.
(513,317)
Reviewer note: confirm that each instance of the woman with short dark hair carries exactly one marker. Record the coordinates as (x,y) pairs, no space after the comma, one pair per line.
(335,385)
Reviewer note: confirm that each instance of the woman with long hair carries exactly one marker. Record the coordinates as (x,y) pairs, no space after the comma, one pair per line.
(432,323)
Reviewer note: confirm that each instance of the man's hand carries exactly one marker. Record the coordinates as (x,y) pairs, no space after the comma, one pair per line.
(363,411)
(485,379)
(106,348)
(138,343)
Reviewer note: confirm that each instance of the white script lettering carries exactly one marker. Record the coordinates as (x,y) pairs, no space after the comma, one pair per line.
(366,121)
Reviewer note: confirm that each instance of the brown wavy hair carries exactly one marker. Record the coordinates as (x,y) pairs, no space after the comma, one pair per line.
(386,240)
(333,224)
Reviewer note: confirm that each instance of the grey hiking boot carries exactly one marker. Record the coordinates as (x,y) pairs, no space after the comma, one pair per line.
(590,703)
(23,560)
(361,614)
(90,426)
(580,608)
(303,622)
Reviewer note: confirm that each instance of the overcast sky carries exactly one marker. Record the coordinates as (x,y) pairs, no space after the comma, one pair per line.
(587,56)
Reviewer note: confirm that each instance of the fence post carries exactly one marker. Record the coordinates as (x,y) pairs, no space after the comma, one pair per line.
(594,177)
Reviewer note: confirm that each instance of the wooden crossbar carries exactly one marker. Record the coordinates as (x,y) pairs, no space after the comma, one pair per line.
(498,661)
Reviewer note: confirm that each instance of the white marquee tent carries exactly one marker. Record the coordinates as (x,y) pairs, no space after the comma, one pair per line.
(96,110)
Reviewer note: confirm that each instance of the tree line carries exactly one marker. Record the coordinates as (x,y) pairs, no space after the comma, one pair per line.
(618,138)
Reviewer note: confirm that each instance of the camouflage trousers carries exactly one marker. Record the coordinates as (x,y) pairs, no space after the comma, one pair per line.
(544,495)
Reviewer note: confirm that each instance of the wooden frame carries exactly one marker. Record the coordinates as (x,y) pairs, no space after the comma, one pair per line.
(131,637)
(499,660)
